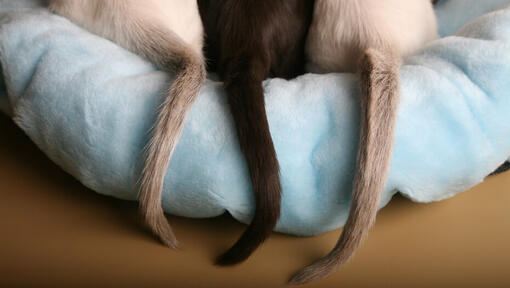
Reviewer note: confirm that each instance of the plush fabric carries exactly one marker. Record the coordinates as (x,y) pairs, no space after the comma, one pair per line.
(89,105)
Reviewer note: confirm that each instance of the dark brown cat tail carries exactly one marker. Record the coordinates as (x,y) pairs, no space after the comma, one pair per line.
(246,99)
(170,53)
(379,73)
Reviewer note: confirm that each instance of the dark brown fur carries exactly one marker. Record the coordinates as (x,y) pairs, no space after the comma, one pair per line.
(248,41)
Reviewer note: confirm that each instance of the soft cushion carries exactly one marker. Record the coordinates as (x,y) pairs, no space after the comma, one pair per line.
(89,104)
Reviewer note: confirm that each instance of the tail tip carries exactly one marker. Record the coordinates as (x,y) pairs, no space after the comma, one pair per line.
(228,258)
(315,272)
(160,227)
(300,278)
(171,242)
(167,237)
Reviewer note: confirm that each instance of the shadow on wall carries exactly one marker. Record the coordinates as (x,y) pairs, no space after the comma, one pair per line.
(505,167)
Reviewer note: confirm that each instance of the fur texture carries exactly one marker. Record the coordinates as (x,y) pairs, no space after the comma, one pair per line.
(248,41)
(368,36)
(169,33)
(50,74)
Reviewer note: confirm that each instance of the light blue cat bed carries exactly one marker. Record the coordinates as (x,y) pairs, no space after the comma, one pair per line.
(89,104)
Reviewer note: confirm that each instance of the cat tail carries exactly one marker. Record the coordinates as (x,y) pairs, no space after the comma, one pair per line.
(170,53)
(246,99)
(379,80)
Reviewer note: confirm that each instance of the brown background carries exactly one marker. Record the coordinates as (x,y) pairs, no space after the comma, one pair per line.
(55,232)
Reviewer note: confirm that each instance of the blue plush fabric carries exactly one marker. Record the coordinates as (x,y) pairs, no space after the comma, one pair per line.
(89,104)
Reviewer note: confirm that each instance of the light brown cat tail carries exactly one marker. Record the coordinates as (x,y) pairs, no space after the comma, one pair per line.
(170,53)
(379,78)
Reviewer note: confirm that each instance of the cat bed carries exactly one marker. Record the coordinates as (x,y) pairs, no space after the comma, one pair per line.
(89,105)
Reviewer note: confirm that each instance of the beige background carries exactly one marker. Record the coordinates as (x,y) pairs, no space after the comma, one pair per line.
(55,232)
